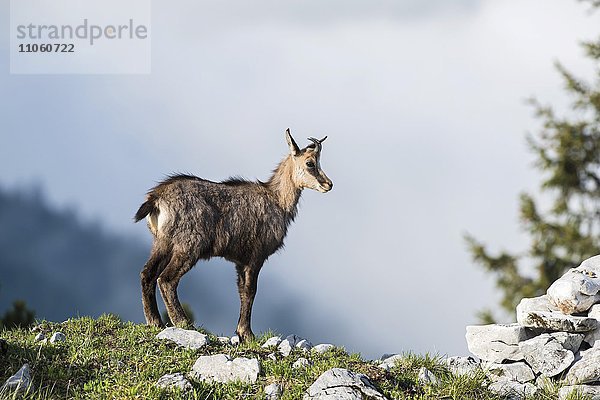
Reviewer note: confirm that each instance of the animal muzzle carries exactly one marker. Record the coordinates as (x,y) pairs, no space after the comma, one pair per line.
(325,185)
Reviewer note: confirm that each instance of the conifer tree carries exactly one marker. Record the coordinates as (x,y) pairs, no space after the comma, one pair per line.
(567,152)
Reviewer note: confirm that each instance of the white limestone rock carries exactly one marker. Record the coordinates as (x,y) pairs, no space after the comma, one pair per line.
(20,382)
(569,341)
(235,340)
(223,339)
(518,371)
(304,345)
(587,391)
(174,381)
(287,345)
(300,363)
(189,339)
(273,391)
(546,355)
(58,337)
(221,368)
(341,384)
(577,290)
(463,365)
(272,342)
(496,342)
(586,369)
(592,337)
(539,312)
(426,377)
(387,363)
(39,337)
(322,348)
(513,389)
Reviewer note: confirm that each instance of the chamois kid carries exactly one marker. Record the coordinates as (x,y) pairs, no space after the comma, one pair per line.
(242,221)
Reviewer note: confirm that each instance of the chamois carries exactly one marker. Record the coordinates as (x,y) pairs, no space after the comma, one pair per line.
(242,221)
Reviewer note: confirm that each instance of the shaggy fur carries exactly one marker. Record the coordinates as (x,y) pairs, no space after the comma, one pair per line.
(244,222)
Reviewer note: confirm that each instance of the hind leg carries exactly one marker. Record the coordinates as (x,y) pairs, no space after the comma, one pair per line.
(168,281)
(149,275)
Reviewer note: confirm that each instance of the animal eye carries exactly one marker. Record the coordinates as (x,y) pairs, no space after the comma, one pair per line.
(310,164)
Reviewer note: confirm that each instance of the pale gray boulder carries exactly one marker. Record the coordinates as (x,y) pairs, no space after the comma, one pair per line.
(20,382)
(221,368)
(497,342)
(189,339)
(513,389)
(288,344)
(539,312)
(322,348)
(273,391)
(592,336)
(235,340)
(304,345)
(387,363)
(300,363)
(546,355)
(174,381)
(463,365)
(518,371)
(586,369)
(58,337)
(590,392)
(577,290)
(272,342)
(341,384)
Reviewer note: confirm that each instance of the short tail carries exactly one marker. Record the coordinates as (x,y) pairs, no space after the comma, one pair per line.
(145,209)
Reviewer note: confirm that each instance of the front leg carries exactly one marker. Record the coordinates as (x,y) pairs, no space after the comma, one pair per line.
(247,283)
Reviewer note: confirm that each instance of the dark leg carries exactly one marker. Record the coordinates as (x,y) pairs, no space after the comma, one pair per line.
(247,282)
(168,281)
(149,275)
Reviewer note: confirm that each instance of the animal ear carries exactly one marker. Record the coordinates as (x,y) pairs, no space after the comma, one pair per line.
(294,150)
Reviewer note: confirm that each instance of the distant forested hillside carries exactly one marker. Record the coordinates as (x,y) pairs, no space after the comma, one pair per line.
(64,267)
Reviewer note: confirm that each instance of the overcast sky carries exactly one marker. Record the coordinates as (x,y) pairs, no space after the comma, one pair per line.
(424,106)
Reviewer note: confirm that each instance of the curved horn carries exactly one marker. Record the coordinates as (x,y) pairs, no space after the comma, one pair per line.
(317,142)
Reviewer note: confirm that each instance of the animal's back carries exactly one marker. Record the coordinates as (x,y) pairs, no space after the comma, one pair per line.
(216,219)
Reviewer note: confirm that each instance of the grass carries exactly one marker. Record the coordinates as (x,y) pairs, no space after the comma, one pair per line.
(106,358)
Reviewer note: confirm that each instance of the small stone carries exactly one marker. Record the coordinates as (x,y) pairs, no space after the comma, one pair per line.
(189,339)
(39,337)
(287,344)
(322,348)
(20,381)
(426,377)
(221,368)
(587,369)
(301,363)
(272,356)
(463,365)
(272,342)
(304,345)
(577,290)
(513,389)
(546,355)
(587,391)
(389,362)
(273,391)
(496,342)
(592,336)
(538,312)
(235,340)
(58,337)
(174,381)
(223,339)
(518,371)
(341,384)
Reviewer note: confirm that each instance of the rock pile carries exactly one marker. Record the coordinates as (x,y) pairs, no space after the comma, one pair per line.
(556,337)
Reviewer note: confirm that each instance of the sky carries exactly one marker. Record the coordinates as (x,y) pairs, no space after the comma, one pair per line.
(424,105)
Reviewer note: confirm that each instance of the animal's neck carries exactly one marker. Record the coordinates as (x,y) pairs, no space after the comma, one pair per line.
(283,187)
